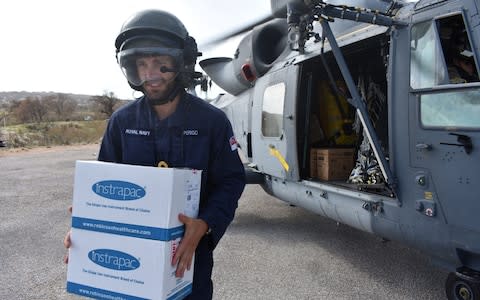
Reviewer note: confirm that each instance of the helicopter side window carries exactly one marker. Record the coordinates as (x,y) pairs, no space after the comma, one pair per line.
(451,109)
(272,110)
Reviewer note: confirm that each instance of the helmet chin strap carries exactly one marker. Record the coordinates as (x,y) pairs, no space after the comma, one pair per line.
(172,93)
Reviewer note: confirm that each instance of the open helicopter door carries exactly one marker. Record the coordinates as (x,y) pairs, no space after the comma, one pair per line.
(444,121)
(273,123)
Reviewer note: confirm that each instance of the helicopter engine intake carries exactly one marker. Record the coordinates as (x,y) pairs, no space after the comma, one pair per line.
(255,55)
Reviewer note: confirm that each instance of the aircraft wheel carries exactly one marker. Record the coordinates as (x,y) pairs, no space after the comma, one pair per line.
(463,285)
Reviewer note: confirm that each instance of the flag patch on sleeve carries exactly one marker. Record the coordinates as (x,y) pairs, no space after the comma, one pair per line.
(233,143)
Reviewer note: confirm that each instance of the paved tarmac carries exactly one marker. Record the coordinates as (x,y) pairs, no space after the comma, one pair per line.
(271,250)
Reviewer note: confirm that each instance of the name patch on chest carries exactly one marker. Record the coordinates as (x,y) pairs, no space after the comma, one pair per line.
(137,132)
(190,132)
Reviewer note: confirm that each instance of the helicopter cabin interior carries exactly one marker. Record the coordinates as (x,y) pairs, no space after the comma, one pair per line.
(329,133)
(331,143)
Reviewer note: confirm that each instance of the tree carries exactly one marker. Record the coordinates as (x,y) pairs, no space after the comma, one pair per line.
(30,110)
(107,103)
(61,105)
(5,112)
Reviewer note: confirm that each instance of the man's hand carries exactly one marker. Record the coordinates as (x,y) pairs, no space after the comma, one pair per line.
(195,229)
(67,241)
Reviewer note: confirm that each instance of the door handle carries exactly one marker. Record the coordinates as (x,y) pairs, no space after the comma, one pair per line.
(423,146)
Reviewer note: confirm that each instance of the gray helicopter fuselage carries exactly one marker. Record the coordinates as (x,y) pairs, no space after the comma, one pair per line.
(429,130)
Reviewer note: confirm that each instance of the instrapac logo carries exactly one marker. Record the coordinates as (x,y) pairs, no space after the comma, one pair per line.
(113,259)
(118,190)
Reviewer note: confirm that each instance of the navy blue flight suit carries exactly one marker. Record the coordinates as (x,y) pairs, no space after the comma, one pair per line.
(197,135)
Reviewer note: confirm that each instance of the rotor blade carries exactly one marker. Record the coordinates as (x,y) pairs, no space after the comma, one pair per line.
(234,33)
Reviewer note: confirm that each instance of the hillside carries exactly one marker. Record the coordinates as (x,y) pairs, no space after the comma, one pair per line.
(32,119)
(15,95)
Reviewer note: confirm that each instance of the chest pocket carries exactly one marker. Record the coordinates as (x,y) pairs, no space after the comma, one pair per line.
(139,149)
(197,148)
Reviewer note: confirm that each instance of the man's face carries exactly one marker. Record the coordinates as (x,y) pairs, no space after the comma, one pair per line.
(467,65)
(156,84)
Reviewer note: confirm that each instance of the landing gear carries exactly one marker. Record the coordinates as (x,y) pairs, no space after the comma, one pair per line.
(463,285)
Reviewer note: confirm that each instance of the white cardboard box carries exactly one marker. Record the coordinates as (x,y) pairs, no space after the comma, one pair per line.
(122,194)
(109,266)
(125,230)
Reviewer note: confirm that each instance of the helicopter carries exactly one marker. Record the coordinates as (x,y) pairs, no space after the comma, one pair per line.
(352,110)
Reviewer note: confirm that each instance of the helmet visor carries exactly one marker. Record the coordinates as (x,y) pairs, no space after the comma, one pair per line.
(130,61)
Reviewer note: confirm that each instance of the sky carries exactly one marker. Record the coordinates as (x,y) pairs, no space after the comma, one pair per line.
(68,46)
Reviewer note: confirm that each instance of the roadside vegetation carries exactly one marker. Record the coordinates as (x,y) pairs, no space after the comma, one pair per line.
(50,119)
(53,133)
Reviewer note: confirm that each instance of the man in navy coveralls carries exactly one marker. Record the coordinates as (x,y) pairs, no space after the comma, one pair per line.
(169,127)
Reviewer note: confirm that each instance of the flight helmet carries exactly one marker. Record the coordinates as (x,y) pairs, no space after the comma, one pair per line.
(156,32)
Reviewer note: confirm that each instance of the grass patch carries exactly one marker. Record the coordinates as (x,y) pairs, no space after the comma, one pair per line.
(53,133)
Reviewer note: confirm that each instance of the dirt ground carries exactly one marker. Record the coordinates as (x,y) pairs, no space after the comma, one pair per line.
(21,151)
(271,250)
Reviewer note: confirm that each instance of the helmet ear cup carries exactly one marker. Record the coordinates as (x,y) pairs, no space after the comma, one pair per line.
(190,54)
(190,51)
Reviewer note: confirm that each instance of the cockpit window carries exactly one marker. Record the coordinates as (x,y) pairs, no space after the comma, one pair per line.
(427,63)
(441,53)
